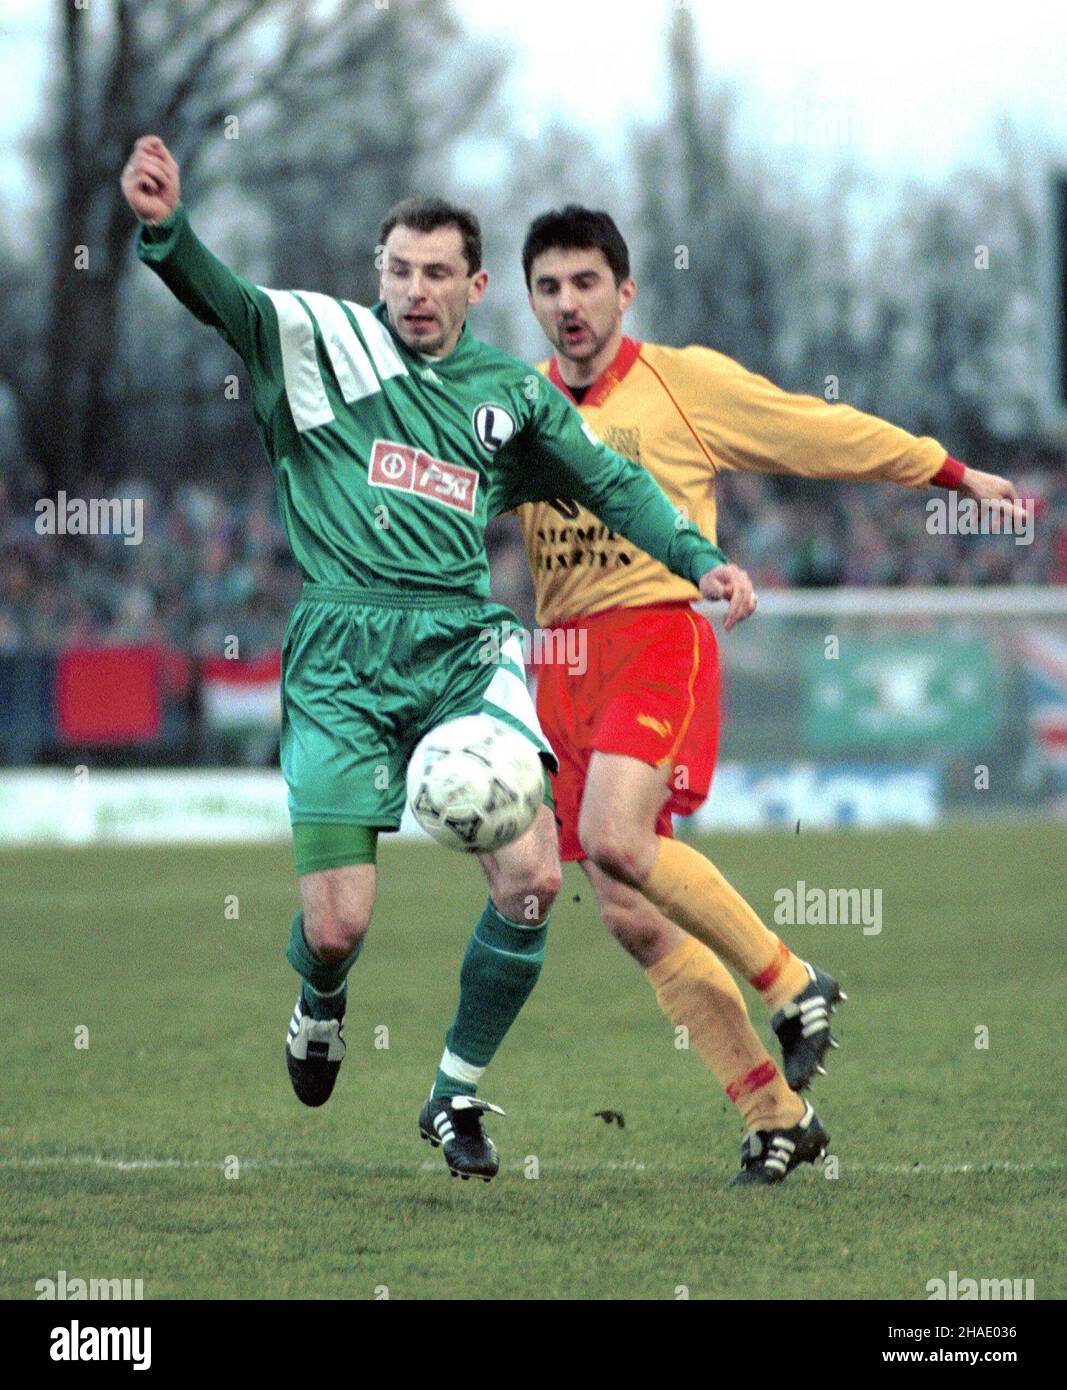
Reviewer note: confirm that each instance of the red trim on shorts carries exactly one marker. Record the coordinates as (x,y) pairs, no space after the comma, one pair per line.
(693,673)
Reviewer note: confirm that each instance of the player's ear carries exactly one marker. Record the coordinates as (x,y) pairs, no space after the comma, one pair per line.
(477,288)
(627,292)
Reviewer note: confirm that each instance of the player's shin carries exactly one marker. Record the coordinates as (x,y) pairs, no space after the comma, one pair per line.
(691,891)
(315,1045)
(501,967)
(325,985)
(697,993)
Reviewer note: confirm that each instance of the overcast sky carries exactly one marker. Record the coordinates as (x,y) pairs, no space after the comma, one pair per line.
(909,88)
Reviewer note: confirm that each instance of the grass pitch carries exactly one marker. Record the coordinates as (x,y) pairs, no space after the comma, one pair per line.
(115,1156)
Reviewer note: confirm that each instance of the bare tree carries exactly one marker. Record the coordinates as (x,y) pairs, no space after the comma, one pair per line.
(322,97)
(719,257)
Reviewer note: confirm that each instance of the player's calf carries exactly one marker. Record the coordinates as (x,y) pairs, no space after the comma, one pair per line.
(500,969)
(642,932)
(325,940)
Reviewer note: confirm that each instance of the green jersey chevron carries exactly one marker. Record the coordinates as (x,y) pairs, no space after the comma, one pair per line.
(388,464)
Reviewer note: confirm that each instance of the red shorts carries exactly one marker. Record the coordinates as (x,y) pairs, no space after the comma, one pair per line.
(650,690)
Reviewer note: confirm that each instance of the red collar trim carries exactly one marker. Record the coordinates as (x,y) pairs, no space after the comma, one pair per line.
(628,353)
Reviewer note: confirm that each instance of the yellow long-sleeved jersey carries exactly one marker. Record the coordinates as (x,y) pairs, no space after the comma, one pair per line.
(685,414)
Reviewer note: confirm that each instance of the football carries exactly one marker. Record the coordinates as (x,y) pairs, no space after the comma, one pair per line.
(475,784)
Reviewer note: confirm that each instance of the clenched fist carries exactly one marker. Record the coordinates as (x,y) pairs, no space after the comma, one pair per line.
(150,180)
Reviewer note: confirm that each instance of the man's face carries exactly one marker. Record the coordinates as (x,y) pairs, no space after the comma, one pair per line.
(427,287)
(576,301)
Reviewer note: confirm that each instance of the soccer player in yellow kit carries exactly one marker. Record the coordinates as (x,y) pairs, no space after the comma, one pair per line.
(636,731)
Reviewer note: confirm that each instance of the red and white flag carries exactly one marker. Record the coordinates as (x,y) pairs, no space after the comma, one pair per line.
(242,695)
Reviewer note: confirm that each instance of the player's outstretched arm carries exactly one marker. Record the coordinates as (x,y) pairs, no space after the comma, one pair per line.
(748,423)
(168,245)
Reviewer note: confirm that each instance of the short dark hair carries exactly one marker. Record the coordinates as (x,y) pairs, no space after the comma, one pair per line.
(575,228)
(427,214)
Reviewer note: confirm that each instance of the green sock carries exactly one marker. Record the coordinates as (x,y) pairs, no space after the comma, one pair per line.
(499,971)
(325,986)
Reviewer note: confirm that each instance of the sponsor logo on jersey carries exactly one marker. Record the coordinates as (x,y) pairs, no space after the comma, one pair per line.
(572,547)
(662,727)
(411,470)
(493,426)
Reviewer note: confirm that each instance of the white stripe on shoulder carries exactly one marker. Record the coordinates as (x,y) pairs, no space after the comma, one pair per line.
(379,342)
(350,363)
(300,363)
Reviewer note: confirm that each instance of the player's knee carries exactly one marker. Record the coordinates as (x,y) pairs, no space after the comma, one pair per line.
(529,897)
(613,849)
(549,880)
(333,936)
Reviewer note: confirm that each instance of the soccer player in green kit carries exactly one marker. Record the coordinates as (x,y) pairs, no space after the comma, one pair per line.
(394,435)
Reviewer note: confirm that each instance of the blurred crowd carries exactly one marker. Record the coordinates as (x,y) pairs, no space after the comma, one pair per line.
(209,566)
(800,534)
(213,564)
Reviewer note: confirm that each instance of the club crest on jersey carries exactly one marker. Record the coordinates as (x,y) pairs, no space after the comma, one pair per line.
(493,426)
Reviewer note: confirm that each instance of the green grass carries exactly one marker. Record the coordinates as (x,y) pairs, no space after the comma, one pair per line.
(187,1011)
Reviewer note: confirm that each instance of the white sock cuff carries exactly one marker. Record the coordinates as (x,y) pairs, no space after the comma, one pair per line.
(459,1070)
(325,993)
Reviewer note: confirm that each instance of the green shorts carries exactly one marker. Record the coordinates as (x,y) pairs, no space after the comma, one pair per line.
(364,676)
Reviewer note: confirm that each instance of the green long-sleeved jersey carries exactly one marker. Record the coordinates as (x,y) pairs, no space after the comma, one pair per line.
(389,464)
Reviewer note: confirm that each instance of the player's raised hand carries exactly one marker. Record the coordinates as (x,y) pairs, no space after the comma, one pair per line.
(150,180)
(730,582)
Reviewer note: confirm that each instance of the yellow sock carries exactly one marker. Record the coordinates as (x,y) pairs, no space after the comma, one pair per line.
(689,890)
(694,988)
